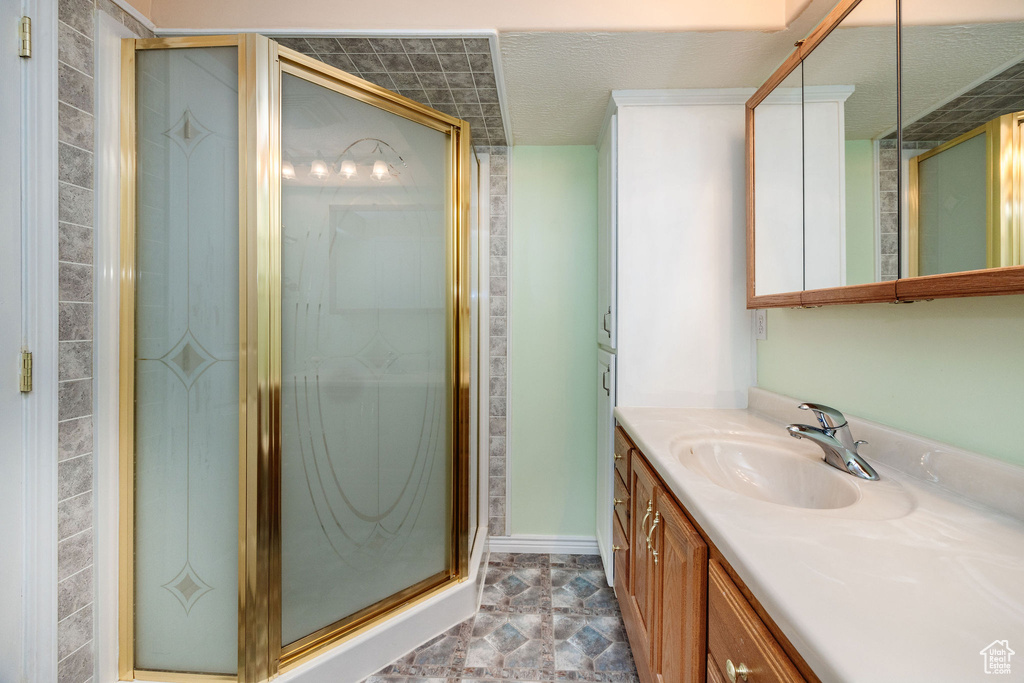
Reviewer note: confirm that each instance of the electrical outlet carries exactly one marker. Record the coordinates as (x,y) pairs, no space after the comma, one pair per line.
(760,324)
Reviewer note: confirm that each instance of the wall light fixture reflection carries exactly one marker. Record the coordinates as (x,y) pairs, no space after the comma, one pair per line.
(318,169)
(380,172)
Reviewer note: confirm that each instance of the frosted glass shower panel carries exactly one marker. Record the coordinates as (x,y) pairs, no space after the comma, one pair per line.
(951,200)
(366,434)
(186,361)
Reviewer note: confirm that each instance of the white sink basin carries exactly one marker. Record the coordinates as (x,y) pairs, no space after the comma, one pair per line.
(768,470)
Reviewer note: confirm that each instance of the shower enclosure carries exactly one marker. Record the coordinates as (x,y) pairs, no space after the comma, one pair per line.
(294,357)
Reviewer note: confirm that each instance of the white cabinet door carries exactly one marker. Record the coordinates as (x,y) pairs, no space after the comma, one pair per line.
(605,464)
(606,220)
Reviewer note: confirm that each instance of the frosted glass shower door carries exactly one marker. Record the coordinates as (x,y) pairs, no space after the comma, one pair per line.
(366,427)
(186,361)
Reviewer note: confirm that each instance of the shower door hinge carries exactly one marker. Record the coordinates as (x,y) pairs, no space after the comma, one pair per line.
(25,378)
(25,37)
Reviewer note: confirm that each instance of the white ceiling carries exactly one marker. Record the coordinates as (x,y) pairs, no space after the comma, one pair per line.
(557,85)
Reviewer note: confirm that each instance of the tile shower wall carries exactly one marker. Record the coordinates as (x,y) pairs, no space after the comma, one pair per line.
(498,380)
(75,273)
(454,75)
(888,199)
(999,95)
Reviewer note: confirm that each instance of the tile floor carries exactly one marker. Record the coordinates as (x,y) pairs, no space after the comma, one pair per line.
(543,618)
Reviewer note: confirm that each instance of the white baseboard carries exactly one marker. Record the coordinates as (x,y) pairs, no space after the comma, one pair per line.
(530,543)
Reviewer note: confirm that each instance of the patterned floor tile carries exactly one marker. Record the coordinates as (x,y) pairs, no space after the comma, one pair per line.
(582,591)
(543,618)
(510,588)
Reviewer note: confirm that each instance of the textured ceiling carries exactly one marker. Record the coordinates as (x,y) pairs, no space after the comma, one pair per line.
(558,84)
(939,63)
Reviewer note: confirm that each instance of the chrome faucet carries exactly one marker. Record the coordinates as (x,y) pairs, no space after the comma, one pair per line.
(835,439)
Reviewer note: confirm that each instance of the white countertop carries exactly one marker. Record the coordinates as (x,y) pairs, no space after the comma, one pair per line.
(875,592)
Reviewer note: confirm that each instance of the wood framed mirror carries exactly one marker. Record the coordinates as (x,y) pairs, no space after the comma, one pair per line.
(884,158)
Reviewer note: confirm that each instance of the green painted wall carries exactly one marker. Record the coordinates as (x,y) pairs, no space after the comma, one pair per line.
(951,370)
(553,347)
(860,212)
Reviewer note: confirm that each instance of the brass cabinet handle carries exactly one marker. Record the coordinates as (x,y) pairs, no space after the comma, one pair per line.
(618,457)
(618,501)
(732,671)
(650,545)
(650,508)
(616,548)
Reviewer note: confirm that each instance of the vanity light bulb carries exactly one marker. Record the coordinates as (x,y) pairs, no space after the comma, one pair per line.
(380,171)
(287,170)
(318,169)
(348,168)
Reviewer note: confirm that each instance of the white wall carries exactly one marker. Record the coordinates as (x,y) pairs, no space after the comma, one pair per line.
(683,328)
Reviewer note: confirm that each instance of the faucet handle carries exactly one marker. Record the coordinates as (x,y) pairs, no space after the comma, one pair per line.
(828,417)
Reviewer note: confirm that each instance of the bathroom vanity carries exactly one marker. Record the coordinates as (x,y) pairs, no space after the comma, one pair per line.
(682,603)
(742,556)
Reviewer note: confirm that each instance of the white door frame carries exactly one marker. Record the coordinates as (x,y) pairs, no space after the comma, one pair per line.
(28,481)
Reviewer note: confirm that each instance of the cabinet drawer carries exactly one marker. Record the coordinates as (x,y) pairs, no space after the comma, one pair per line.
(714,675)
(736,633)
(621,508)
(622,448)
(620,541)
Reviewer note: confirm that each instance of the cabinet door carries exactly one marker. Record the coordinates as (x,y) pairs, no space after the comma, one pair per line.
(620,538)
(681,569)
(606,202)
(639,615)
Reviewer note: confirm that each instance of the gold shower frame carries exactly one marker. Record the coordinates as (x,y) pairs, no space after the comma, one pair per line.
(261,62)
(1003,206)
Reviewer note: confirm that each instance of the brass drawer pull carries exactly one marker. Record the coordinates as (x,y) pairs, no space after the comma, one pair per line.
(618,457)
(650,508)
(732,671)
(618,501)
(650,545)
(616,548)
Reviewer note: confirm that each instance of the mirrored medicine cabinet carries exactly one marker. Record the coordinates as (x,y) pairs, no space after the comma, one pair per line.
(884,158)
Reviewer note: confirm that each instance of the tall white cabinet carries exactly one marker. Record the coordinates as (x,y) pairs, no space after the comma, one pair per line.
(671,269)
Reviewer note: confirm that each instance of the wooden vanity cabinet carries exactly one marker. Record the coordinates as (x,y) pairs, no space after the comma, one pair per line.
(623,449)
(686,613)
(680,586)
(637,613)
(665,604)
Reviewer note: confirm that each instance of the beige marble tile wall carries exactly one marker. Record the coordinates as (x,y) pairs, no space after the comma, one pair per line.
(76,108)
